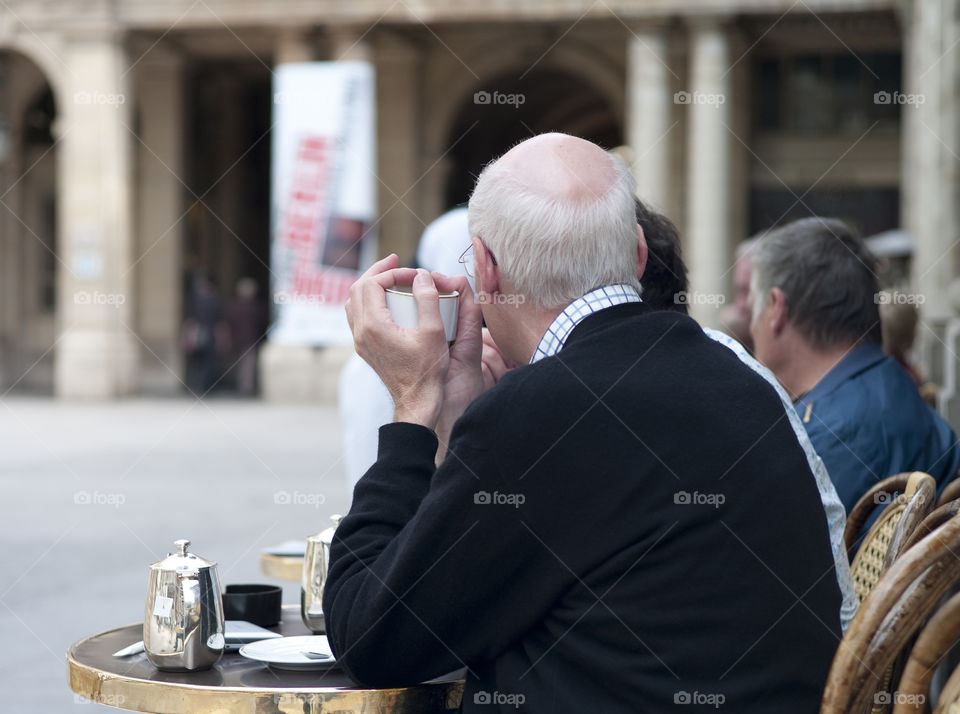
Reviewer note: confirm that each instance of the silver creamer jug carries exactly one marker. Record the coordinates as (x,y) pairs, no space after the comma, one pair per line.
(316,563)
(183,623)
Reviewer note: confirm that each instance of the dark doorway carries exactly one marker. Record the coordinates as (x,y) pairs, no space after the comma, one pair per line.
(227,236)
(515,106)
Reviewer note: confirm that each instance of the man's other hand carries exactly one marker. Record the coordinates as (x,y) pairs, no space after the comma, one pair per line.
(495,364)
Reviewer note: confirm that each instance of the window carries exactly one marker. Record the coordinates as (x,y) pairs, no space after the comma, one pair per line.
(816,94)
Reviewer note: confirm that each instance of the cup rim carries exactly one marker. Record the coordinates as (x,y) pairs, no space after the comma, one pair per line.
(409,293)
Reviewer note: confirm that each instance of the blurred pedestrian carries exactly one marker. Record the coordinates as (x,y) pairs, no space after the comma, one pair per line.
(247,319)
(202,330)
(735,318)
(899,321)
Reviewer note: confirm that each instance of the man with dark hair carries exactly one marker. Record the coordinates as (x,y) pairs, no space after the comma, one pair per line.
(665,277)
(816,324)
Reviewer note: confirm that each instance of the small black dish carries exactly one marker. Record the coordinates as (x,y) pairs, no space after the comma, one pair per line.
(259,604)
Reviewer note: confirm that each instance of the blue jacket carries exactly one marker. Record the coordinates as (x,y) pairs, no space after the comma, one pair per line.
(867,421)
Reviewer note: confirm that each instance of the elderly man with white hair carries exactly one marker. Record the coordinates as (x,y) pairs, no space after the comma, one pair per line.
(626,523)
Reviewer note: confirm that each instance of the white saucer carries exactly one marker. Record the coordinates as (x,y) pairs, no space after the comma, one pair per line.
(287,652)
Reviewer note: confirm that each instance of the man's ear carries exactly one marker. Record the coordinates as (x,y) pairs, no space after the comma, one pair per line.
(778,311)
(642,252)
(486,275)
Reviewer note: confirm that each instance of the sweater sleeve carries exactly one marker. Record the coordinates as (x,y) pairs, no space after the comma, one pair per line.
(427,568)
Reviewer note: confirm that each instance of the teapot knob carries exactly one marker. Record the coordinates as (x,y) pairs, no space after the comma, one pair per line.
(336,518)
(182,546)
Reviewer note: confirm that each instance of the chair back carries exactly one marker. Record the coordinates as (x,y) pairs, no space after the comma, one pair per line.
(889,616)
(936,518)
(882,492)
(949,701)
(936,639)
(951,492)
(886,538)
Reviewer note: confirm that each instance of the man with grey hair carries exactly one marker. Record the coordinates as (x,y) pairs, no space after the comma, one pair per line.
(816,325)
(735,318)
(595,531)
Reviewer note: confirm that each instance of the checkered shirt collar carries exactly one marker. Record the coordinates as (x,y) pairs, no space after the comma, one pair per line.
(594,301)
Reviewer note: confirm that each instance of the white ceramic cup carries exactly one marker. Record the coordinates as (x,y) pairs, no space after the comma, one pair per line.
(403,309)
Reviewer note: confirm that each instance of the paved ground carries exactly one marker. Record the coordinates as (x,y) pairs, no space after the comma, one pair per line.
(94,493)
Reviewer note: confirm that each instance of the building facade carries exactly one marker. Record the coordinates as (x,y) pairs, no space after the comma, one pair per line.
(135,146)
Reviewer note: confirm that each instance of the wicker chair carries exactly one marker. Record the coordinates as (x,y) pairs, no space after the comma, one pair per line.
(951,492)
(882,492)
(936,518)
(949,701)
(888,618)
(933,644)
(886,538)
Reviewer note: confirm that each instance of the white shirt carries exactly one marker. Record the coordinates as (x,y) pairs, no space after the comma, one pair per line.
(836,514)
(573,314)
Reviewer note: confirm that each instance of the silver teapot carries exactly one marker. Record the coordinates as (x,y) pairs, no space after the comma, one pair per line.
(183,623)
(316,563)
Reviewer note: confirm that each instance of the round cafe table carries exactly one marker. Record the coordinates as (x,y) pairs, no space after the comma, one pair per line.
(237,685)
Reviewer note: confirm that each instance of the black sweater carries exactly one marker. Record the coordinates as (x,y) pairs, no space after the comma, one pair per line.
(624,527)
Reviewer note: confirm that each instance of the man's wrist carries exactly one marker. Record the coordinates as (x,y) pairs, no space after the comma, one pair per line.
(423,414)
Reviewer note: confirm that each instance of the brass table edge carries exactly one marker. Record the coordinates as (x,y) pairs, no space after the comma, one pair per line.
(282,567)
(80,674)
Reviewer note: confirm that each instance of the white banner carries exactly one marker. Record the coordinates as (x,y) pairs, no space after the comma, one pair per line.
(323,196)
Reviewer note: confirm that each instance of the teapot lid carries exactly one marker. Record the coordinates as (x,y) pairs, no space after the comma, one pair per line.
(326,535)
(181,560)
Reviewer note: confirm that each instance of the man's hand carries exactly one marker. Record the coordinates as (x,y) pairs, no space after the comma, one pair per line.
(413,364)
(494,363)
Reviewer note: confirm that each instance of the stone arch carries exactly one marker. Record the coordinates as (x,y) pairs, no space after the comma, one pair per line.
(508,65)
(43,57)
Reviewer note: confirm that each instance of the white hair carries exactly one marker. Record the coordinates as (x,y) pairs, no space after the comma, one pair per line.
(554,249)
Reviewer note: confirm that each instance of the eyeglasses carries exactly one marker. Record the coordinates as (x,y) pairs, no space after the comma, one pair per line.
(466,259)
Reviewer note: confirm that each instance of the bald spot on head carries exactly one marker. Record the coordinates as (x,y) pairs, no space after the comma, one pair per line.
(560,166)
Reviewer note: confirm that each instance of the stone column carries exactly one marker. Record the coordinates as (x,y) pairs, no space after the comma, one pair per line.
(293,46)
(160,220)
(930,187)
(398,147)
(930,152)
(96,351)
(708,100)
(650,114)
